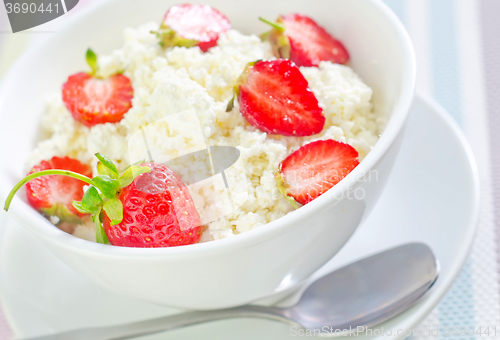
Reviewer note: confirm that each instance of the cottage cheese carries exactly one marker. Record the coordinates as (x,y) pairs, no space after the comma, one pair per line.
(182,79)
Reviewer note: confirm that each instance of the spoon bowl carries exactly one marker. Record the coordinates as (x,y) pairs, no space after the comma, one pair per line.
(368,291)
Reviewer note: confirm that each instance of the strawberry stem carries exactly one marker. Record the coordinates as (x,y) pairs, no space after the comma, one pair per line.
(44,173)
(273,24)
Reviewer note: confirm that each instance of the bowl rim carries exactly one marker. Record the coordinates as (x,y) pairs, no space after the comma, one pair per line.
(36,223)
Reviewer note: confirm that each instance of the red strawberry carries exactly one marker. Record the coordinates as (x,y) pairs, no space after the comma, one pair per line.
(93,100)
(192,25)
(158,212)
(301,39)
(53,195)
(313,169)
(274,97)
(147,205)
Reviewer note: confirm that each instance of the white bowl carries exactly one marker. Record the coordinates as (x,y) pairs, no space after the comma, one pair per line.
(259,263)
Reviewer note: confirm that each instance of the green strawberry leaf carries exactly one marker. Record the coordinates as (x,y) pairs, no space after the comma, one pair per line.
(230,105)
(100,234)
(236,93)
(131,173)
(91,60)
(78,206)
(103,170)
(91,200)
(107,185)
(168,38)
(108,164)
(114,210)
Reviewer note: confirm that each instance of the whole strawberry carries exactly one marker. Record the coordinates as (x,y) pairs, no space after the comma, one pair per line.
(158,212)
(53,195)
(275,97)
(300,39)
(94,100)
(314,169)
(147,205)
(190,25)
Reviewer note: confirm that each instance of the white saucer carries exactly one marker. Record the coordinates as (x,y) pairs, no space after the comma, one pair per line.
(432,197)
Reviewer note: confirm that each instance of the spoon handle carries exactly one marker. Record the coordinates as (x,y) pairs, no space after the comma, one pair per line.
(167,323)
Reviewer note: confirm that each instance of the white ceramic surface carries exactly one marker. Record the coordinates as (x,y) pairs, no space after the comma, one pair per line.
(432,197)
(259,263)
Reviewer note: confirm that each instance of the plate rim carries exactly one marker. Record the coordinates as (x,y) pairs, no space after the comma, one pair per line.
(437,292)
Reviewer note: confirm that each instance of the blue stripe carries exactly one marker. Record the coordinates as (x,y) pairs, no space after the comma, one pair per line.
(457,307)
(444,56)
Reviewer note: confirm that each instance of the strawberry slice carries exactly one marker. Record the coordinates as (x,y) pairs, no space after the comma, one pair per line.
(192,25)
(274,97)
(93,100)
(53,195)
(313,169)
(301,39)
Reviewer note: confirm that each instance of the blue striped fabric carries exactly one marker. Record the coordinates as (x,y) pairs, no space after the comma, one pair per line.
(457,307)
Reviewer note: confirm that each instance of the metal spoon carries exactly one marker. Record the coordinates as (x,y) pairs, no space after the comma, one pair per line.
(362,294)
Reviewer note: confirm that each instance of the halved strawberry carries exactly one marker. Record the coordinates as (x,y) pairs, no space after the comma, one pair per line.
(53,195)
(300,39)
(192,25)
(313,169)
(93,100)
(275,97)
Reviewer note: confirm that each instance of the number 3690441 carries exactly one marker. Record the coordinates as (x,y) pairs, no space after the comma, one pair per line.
(31,7)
